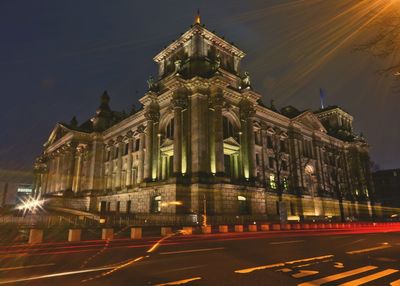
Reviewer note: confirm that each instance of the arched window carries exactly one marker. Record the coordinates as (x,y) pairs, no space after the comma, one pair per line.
(228,128)
(169,131)
(156,204)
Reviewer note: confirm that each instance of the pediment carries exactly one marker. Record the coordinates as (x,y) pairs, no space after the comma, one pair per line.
(231,141)
(58,132)
(309,119)
(167,142)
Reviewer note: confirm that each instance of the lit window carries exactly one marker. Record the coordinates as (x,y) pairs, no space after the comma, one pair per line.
(156,204)
(272,182)
(241,198)
(285,184)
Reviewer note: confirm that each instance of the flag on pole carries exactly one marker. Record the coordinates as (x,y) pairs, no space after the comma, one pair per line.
(321,97)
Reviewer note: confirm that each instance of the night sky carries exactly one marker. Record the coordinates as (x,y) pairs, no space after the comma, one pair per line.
(57,58)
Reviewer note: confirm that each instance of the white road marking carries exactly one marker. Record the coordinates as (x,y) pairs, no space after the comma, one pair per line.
(248,270)
(335,277)
(284,242)
(369,278)
(368,249)
(304,273)
(180,269)
(191,250)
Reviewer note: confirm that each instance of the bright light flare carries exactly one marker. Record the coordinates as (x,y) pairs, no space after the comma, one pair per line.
(31,204)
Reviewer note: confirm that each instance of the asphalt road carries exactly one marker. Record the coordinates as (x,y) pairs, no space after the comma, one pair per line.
(325,257)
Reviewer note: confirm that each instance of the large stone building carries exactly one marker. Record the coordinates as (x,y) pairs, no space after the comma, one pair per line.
(204,139)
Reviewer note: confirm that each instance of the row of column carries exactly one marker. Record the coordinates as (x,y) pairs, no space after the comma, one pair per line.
(198,136)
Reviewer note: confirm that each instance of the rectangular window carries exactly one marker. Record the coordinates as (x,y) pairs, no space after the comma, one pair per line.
(269,142)
(283,146)
(272,182)
(271,162)
(126,148)
(257,138)
(137,144)
(257,159)
(128,206)
(284,166)
(116,151)
(108,155)
(292,211)
(117,207)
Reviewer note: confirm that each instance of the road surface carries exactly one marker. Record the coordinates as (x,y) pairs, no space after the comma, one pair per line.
(311,257)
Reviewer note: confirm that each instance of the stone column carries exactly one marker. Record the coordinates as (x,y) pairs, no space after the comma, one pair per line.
(178,105)
(78,169)
(128,181)
(118,175)
(247,139)
(218,134)
(199,142)
(152,115)
(142,138)
(320,164)
(58,172)
(95,160)
(251,143)
(71,166)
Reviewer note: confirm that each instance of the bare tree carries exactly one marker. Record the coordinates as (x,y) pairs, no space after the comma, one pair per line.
(385,44)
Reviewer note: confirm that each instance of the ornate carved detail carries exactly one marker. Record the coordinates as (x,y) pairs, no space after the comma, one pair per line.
(153,111)
(152,84)
(245,82)
(141,129)
(129,134)
(179,102)
(247,110)
(216,100)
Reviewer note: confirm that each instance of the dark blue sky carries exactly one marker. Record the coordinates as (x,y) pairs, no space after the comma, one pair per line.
(57,57)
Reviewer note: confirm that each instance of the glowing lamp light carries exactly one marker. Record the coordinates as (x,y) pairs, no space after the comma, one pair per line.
(31,205)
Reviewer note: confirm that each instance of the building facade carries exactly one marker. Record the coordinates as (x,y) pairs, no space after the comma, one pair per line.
(204,141)
(387,185)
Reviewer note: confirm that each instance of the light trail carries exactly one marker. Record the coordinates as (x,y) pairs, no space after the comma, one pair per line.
(26,266)
(46,276)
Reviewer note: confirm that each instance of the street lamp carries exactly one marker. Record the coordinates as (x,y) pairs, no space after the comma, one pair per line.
(31,205)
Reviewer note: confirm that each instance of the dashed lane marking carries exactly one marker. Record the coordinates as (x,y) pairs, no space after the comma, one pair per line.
(335,277)
(191,250)
(285,242)
(248,270)
(368,249)
(304,273)
(179,282)
(395,283)
(369,278)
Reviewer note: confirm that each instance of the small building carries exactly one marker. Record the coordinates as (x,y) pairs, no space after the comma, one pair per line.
(387,187)
(14,186)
